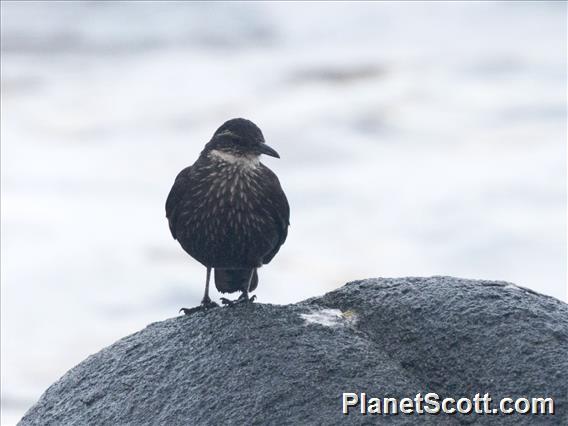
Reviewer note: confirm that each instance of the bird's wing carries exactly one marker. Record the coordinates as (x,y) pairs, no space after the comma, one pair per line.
(277,205)
(175,197)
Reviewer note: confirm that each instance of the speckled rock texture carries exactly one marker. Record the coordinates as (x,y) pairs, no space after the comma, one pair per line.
(268,364)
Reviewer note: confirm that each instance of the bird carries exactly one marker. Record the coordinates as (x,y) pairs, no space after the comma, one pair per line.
(229,212)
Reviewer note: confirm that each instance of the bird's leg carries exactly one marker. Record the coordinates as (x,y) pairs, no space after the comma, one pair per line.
(245,294)
(244,297)
(206,302)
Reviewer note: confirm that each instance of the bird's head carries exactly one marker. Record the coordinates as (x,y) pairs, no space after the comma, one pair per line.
(239,139)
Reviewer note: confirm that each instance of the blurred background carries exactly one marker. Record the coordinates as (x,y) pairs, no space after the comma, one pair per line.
(416,139)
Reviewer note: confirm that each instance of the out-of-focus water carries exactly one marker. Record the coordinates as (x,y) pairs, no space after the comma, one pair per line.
(416,139)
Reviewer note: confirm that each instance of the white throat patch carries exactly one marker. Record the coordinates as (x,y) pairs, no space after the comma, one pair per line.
(250,161)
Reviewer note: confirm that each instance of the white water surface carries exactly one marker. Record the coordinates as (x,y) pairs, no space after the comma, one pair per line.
(416,139)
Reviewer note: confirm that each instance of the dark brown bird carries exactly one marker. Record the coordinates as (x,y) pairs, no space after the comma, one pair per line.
(228,210)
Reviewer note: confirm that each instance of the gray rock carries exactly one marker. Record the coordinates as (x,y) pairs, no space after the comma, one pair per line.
(268,364)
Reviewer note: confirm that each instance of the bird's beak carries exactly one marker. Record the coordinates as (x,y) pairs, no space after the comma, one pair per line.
(265,149)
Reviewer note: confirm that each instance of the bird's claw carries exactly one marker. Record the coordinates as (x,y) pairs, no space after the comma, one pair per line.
(189,311)
(240,300)
(205,305)
(209,304)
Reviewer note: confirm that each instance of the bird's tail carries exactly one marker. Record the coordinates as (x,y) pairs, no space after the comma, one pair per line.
(231,280)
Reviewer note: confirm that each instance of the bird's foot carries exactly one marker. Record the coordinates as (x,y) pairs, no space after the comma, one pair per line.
(242,299)
(206,304)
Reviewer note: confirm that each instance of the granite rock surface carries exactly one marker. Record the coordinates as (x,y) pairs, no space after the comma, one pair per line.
(269,364)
